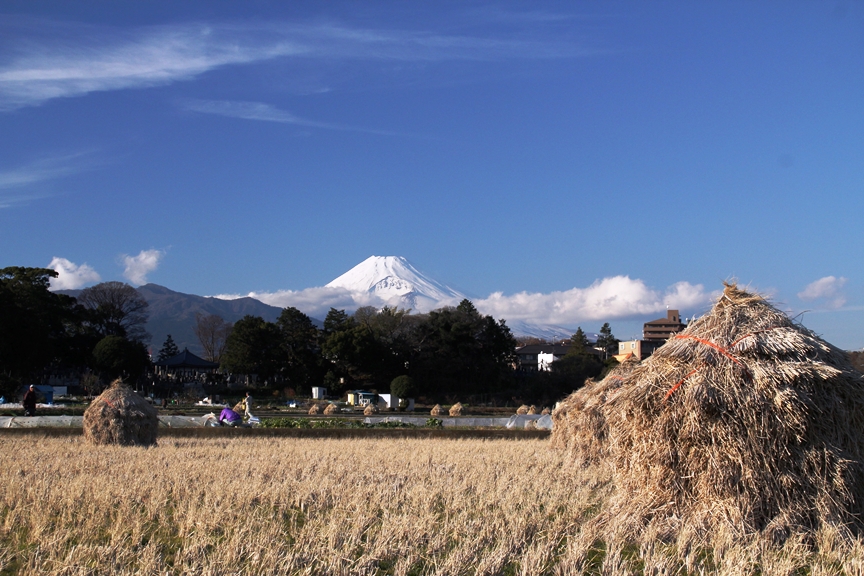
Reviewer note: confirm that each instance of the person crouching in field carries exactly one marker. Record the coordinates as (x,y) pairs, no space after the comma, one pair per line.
(29,401)
(229,417)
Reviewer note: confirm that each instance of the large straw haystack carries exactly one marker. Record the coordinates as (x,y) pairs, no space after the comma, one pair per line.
(120,416)
(579,424)
(745,423)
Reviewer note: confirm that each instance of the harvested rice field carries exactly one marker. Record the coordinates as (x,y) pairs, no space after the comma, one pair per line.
(339,506)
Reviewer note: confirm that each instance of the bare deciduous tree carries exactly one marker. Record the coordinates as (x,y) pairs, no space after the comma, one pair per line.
(212,331)
(117,309)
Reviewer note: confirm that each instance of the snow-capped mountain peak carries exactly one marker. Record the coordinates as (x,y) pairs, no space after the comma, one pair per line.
(395,281)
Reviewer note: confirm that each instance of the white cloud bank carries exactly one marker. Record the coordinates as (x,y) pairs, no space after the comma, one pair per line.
(70,275)
(138,267)
(605,300)
(315,302)
(828,289)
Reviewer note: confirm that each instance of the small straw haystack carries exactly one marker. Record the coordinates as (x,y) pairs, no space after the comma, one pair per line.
(436,410)
(121,416)
(523,409)
(532,409)
(745,423)
(456,409)
(370,409)
(315,409)
(332,409)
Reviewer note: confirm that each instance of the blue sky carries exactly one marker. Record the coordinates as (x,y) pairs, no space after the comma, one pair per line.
(559,161)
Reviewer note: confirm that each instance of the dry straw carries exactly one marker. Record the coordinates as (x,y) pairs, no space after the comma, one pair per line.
(436,410)
(370,409)
(332,409)
(456,409)
(315,409)
(523,409)
(579,421)
(121,416)
(744,424)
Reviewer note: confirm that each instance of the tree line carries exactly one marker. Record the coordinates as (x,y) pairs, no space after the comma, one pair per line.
(449,353)
(41,332)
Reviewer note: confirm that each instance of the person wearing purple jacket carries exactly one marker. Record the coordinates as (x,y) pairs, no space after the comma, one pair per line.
(230,417)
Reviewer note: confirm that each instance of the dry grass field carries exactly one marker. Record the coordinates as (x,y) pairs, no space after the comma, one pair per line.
(324,506)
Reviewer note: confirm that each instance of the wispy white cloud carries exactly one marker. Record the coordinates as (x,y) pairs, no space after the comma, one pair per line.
(77,60)
(828,289)
(71,276)
(605,300)
(138,267)
(96,59)
(16,184)
(265,113)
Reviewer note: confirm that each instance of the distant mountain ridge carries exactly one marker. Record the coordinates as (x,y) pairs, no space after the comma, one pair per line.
(173,313)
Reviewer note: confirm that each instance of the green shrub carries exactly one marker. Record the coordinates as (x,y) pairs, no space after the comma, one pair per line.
(403,387)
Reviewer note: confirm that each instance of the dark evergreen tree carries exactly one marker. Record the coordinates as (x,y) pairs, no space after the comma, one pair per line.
(335,321)
(578,342)
(459,352)
(607,340)
(352,354)
(255,347)
(403,387)
(301,350)
(118,357)
(169,349)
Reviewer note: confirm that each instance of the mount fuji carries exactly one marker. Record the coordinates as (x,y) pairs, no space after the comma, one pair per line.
(394,281)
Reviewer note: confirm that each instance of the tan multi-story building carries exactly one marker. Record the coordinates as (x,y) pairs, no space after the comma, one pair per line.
(640,349)
(663,328)
(654,334)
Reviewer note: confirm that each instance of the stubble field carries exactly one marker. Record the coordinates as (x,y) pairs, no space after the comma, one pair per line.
(325,506)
